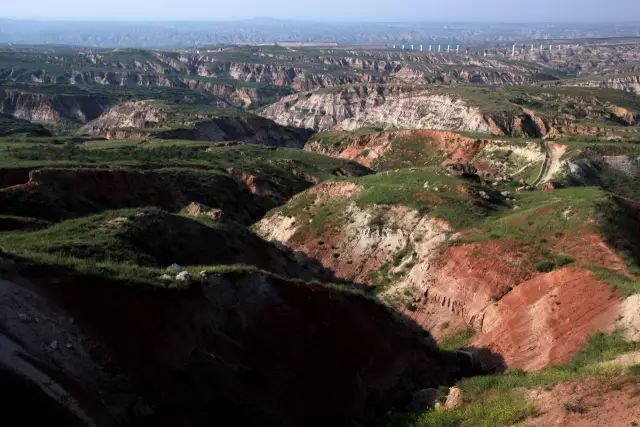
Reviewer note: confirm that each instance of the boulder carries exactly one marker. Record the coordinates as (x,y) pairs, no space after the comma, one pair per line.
(196,209)
(629,320)
(462,169)
(454,399)
(548,186)
(183,276)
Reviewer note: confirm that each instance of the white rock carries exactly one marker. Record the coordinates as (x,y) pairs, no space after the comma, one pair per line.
(629,320)
(166,277)
(454,399)
(183,276)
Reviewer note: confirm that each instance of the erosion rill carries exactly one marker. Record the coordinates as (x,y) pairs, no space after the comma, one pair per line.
(319,234)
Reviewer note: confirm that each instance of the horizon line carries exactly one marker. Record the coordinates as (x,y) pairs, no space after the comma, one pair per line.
(306,20)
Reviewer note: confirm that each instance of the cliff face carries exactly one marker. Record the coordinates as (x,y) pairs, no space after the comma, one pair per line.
(279,75)
(83,77)
(387,150)
(144,118)
(51,108)
(626,83)
(441,108)
(246,97)
(415,263)
(138,114)
(376,106)
(387,107)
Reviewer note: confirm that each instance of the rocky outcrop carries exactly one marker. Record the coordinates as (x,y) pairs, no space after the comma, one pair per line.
(412,264)
(615,173)
(629,320)
(85,77)
(368,241)
(51,108)
(153,119)
(297,78)
(629,83)
(545,320)
(198,210)
(624,116)
(525,123)
(353,107)
(237,94)
(389,107)
(393,149)
(249,129)
(136,114)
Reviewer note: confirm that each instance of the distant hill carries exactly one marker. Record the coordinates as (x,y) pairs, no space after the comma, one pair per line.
(264,30)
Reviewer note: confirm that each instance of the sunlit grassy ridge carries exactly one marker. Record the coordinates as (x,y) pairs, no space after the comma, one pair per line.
(428,190)
(135,245)
(499,399)
(170,153)
(542,218)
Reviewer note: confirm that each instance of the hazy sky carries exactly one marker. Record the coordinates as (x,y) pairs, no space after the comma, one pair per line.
(328,10)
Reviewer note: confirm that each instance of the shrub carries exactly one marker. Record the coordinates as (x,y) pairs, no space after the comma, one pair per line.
(545,266)
(563,260)
(634,370)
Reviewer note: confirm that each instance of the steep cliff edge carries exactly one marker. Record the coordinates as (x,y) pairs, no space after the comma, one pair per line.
(352,107)
(424,244)
(51,108)
(518,111)
(488,158)
(193,122)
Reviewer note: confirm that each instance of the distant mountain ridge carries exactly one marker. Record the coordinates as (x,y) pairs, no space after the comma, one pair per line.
(265,30)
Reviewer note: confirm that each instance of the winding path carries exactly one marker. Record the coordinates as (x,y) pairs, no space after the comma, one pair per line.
(552,162)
